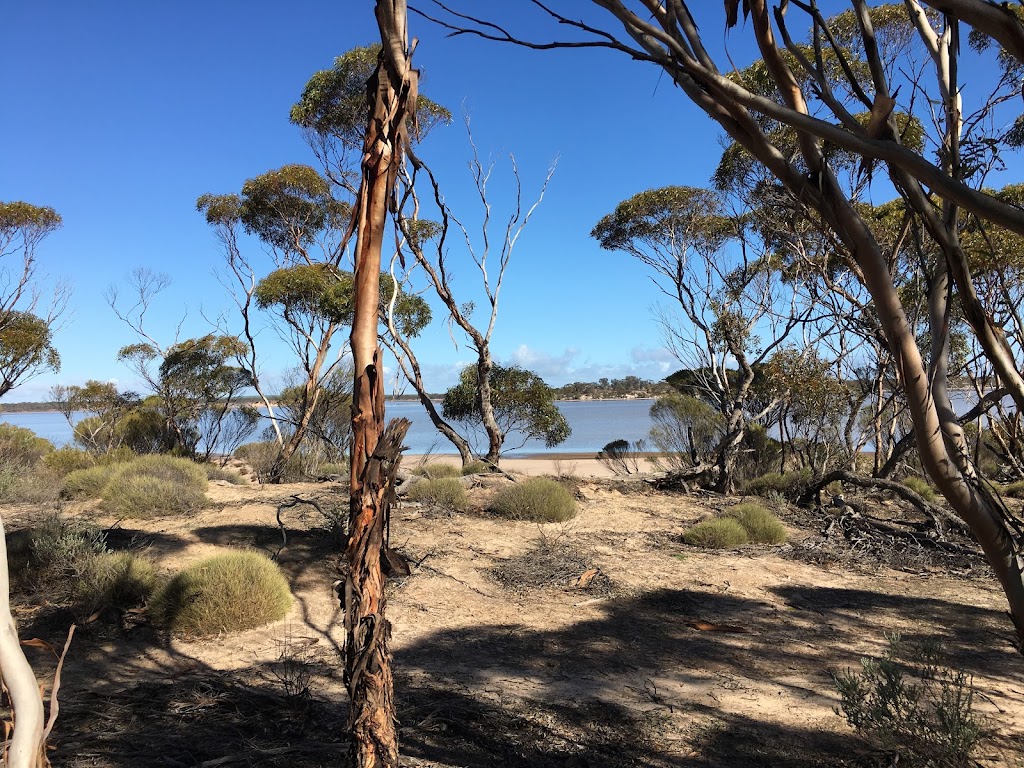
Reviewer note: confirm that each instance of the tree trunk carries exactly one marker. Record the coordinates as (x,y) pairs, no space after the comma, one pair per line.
(374,737)
(495,437)
(25,750)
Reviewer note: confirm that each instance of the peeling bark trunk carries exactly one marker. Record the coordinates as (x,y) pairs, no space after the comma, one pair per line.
(372,723)
(495,436)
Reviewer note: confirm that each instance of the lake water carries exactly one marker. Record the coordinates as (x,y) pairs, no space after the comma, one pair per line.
(594,423)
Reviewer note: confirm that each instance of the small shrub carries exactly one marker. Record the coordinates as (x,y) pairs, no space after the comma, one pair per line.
(117,579)
(334,468)
(911,703)
(214,472)
(718,533)
(64,461)
(34,485)
(476,467)
(87,483)
(789,485)
(437,469)
(224,593)
(54,556)
(538,499)
(762,526)
(20,447)
(261,456)
(155,485)
(443,492)
(920,486)
(1013,490)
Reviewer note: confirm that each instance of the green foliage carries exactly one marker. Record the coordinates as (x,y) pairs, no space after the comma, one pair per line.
(476,468)
(521,401)
(673,217)
(224,593)
(911,703)
(443,492)
(321,290)
(434,469)
(31,222)
(685,429)
(621,456)
(289,207)
(789,485)
(21,448)
(1013,490)
(921,487)
(717,533)
(537,499)
(152,486)
(53,556)
(66,460)
(761,525)
(25,348)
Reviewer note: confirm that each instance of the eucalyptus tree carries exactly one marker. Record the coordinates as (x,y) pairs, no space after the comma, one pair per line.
(522,405)
(862,118)
(735,309)
(28,318)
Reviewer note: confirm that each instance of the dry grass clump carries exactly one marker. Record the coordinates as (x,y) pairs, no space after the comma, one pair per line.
(53,556)
(537,499)
(552,562)
(152,486)
(1013,490)
(476,467)
(444,493)
(437,469)
(214,472)
(717,533)
(761,525)
(224,593)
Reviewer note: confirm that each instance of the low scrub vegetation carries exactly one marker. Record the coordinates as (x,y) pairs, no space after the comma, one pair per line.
(214,472)
(437,469)
(537,499)
(789,485)
(224,593)
(117,579)
(444,493)
(910,703)
(761,525)
(717,533)
(476,467)
(921,487)
(152,486)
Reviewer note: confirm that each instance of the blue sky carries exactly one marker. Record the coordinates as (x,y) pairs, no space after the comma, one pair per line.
(120,114)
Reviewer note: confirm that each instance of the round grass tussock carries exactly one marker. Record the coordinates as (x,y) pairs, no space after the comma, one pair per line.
(87,483)
(152,486)
(214,472)
(537,499)
(718,533)
(64,461)
(1013,490)
(437,469)
(443,492)
(761,525)
(789,485)
(230,592)
(476,467)
(117,579)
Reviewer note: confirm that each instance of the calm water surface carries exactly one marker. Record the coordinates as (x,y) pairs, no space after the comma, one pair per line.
(594,424)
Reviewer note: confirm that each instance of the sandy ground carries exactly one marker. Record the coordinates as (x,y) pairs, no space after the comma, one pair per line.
(614,673)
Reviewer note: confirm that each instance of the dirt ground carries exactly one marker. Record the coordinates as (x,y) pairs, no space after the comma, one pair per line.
(616,671)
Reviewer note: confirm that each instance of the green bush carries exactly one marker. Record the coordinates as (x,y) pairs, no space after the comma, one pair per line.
(87,483)
(538,499)
(224,593)
(117,579)
(334,468)
(789,485)
(20,447)
(64,461)
(717,533)
(437,469)
(762,526)
(912,704)
(214,472)
(444,492)
(32,485)
(476,467)
(155,485)
(920,486)
(54,555)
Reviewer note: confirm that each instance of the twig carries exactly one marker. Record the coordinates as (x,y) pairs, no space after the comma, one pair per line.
(54,703)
